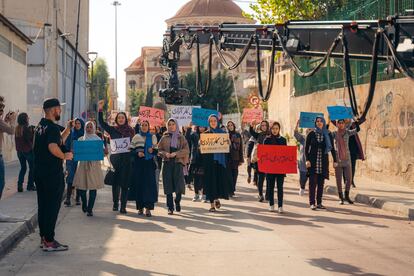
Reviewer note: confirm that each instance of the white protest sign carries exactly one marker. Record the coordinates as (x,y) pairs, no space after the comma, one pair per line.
(182,113)
(120,145)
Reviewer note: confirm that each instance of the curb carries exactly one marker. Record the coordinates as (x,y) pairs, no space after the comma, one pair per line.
(24,228)
(395,208)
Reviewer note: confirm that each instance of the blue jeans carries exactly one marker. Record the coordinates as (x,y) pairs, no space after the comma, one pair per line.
(2,180)
(25,158)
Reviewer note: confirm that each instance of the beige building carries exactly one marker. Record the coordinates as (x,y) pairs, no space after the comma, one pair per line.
(51,24)
(13,75)
(146,71)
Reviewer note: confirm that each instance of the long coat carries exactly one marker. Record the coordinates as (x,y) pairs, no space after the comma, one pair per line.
(311,152)
(172,169)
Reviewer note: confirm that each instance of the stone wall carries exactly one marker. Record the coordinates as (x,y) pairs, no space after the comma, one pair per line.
(387,136)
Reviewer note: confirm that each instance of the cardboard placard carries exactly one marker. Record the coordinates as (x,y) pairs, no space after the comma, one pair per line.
(277,159)
(154,116)
(88,150)
(200,116)
(340,112)
(252,114)
(120,145)
(214,143)
(307,119)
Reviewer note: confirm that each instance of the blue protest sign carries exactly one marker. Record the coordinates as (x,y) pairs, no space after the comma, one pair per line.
(88,150)
(340,112)
(307,119)
(200,116)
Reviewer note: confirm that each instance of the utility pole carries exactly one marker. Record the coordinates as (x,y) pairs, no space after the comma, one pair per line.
(116,4)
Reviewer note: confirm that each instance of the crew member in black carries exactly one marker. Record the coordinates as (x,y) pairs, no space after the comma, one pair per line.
(48,172)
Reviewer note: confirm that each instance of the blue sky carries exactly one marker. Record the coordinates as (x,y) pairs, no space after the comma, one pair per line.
(140,23)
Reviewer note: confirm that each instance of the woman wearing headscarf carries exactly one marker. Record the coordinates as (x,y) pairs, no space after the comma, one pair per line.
(275,139)
(318,144)
(236,154)
(260,137)
(88,175)
(71,165)
(143,189)
(217,181)
(173,148)
(122,161)
(344,166)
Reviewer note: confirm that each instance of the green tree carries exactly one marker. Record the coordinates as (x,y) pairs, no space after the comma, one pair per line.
(220,93)
(99,83)
(137,99)
(149,99)
(280,11)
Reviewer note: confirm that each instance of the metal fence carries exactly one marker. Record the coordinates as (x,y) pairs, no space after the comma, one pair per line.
(331,76)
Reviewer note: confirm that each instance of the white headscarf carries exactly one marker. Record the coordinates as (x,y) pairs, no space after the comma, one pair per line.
(90,137)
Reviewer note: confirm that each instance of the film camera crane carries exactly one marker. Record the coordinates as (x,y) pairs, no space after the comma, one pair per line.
(390,40)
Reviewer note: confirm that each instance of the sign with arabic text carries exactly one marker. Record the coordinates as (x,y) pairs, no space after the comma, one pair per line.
(120,145)
(214,143)
(154,116)
(275,159)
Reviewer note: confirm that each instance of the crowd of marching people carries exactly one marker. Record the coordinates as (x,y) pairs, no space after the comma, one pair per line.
(170,154)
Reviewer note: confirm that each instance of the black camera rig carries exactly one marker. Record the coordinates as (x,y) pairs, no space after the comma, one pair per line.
(390,40)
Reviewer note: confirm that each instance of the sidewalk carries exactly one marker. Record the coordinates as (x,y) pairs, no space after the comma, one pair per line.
(389,197)
(21,209)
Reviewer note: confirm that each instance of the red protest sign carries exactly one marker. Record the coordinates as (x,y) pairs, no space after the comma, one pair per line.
(252,114)
(154,116)
(277,159)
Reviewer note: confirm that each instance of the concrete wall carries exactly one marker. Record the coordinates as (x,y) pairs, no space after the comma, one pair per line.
(387,135)
(13,76)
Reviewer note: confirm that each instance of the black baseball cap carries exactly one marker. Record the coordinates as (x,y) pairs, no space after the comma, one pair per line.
(52,102)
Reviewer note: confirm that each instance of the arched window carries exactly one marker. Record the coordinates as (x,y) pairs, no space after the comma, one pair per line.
(160,82)
(132,85)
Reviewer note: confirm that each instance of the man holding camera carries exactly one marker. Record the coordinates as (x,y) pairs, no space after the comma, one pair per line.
(6,126)
(49,154)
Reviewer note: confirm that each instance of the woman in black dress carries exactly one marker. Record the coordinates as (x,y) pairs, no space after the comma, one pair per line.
(217,179)
(143,189)
(122,161)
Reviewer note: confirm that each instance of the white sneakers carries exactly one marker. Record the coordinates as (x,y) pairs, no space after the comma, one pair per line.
(301,192)
(313,207)
(196,198)
(272,209)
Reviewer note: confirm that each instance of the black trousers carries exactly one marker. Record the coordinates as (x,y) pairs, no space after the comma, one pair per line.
(260,182)
(198,184)
(316,183)
(49,198)
(116,190)
(170,201)
(87,204)
(270,188)
(234,174)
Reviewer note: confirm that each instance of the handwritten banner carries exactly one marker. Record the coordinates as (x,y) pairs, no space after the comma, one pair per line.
(182,113)
(340,112)
(307,119)
(200,116)
(154,116)
(88,150)
(214,143)
(277,159)
(120,145)
(252,114)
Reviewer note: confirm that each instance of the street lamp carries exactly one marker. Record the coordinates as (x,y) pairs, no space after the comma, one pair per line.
(116,4)
(92,56)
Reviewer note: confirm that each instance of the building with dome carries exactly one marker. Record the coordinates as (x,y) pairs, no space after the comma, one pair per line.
(145,71)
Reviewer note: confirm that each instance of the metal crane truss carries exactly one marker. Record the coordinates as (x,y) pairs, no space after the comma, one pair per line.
(391,40)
